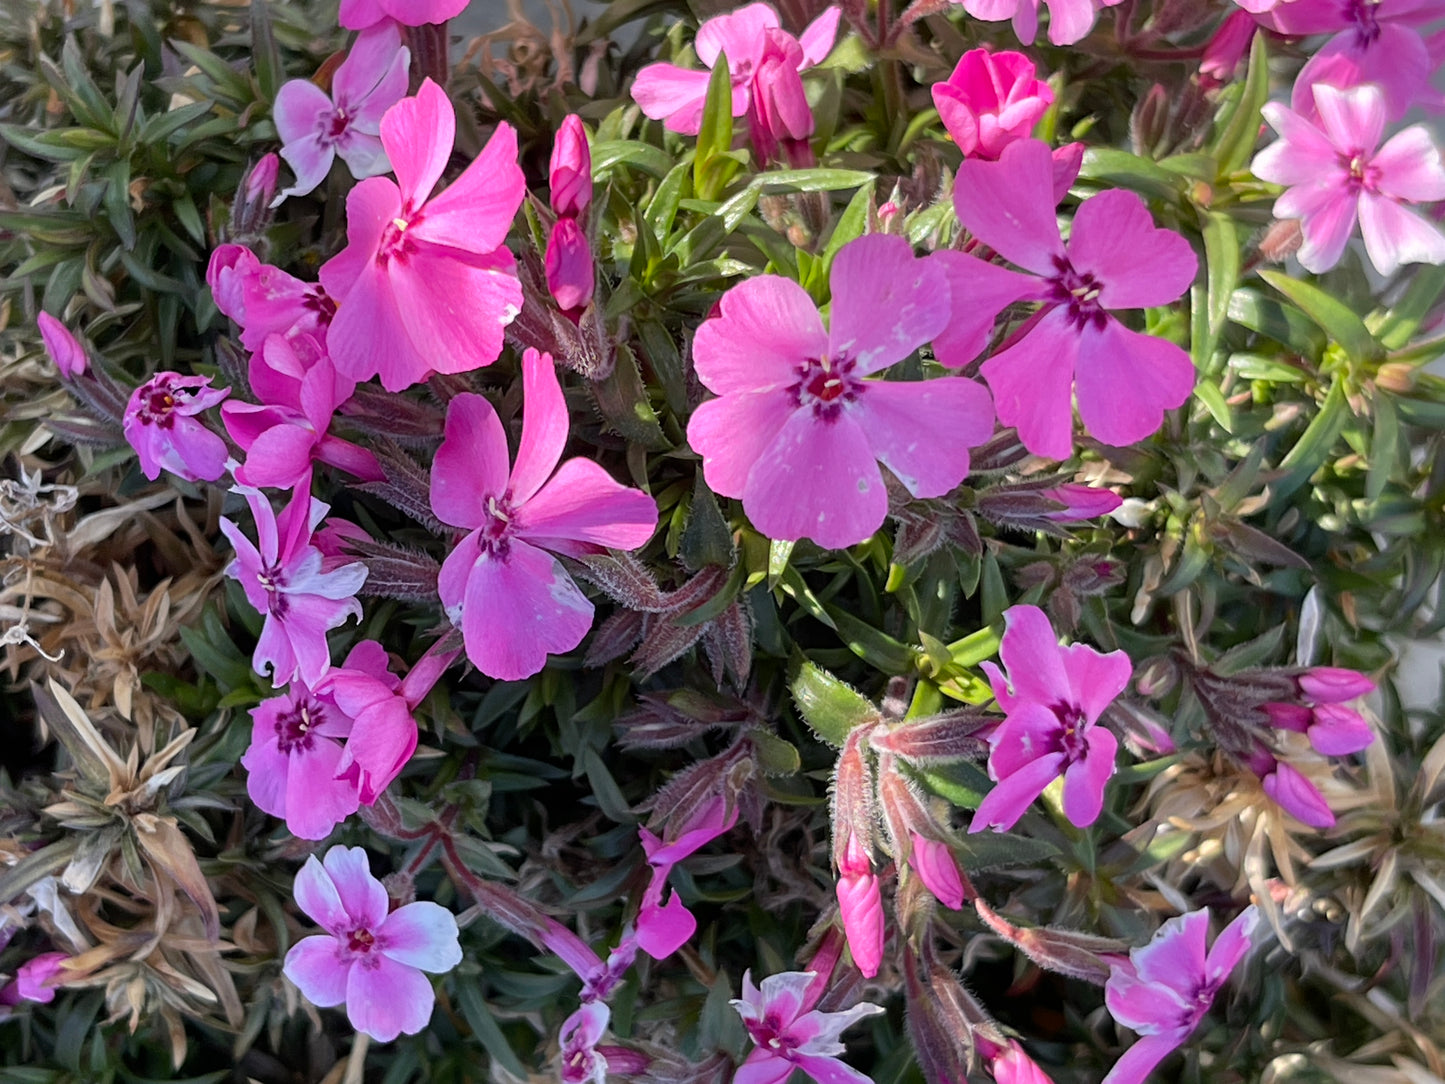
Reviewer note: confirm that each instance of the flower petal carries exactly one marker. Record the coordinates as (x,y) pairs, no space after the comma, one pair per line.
(886,302)
(766,327)
(385,999)
(583,503)
(1140,1059)
(544,425)
(423,935)
(1137,264)
(1410,167)
(1002,807)
(475,211)
(361,894)
(319,967)
(979,291)
(1009,204)
(1085,779)
(471,465)
(675,95)
(1125,381)
(418,134)
(922,430)
(317,896)
(1031,383)
(1395,236)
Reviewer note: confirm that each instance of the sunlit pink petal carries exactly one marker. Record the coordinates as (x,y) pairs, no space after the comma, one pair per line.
(875,275)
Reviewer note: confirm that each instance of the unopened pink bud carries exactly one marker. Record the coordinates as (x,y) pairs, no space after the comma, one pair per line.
(938,869)
(230,268)
(1080,502)
(570,177)
(990,101)
(63,347)
(1228,47)
(1338,731)
(1294,717)
(260,185)
(861,905)
(1013,1066)
(34,980)
(570,275)
(1334,685)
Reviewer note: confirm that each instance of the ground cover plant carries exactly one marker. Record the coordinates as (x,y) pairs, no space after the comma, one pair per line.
(712,543)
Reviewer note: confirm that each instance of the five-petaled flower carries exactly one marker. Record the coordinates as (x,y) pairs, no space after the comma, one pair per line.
(798,429)
(1052,697)
(1164,989)
(161,425)
(513,601)
(790,1034)
(368,958)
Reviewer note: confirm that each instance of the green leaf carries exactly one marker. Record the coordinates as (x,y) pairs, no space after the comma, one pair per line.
(1120,169)
(265,54)
(707,539)
(117,203)
(851,224)
(1384,446)
(160,127)
(485,1029)
(878,649)
(1314,446)
(1333,317)
(622,398)
(1238,129)
(711,169)
(829,706)
(1221,261)
(630,152)
(1284,324)
(974,648)
(82,97)
(774,755)
(662,208)
(1406,315)
(36,865)
(1208,393)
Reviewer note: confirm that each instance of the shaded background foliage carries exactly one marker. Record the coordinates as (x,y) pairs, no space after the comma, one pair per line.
(1290,513)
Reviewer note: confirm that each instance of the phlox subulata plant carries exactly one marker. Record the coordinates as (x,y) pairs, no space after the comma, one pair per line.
(705,544)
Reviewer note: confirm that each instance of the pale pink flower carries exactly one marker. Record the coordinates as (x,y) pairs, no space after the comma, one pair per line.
(62,346)
(1335,172)
(315,129)
(34,980)
(1290,789)
(676,95)
(161,425)
(662,928)
(286,579)
(1052,697)
(291,764)
(798,431)
(1165,988)
(1069,20)
(425,284)
(790,1034)
(368,958)
(360,14)
(299,391)
(991,100)
(1115,258)
(513,601)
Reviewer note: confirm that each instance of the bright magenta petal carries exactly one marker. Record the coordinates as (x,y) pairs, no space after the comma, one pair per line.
(418,134)
(1095,678)
(922,430)
(421,934)
(1085,779)
(1141,1058)
(886,302)
(1010,798)
(385,999)
(475,211)
(830,1070)
(316,801)
(1125,381)
(817,38)
(1030,649)
(583,503)
(471,465)
(1352,117)
(766,328)
(319,966)
(1030,730)
(367,337)
(1009,204)
(544,426)
(1298,796)
(455,310)
(518,610)
(1031,382)
(1338,731)
(739,34)
(1231,946)
(763,1067)
(1137,265)
(817,480)
(978,292)
(676,95)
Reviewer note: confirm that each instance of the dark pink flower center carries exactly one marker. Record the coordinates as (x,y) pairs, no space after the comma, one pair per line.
(158,404)
(273,582)
(494,536)
(1362,13)
(396,242)
(1079,292)
(336,126)
(361,941)
(1072,724)
(826,384)
(293,728)
(1363,175)
(771,1033)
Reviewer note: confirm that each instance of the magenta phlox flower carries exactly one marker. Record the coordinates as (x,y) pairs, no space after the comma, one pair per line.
(1069,20)
(1164,989)
(571,278)
(64,348)
(790,1034)
(426,284)
(299,391)
(315,129)
(1115,259)
(34,980)
(513,601)
(1336,172)
(1380,41)
(286,578)
(780,121)
(369,958)
(277,303)
(292,761)
(798,431)
(161,424)
(991,100)
(581,1061)
(360,14)
(1052,698)
(569,173)
(662,928)
(1227,48)
(676,95)
(1332,728)
(1290,789)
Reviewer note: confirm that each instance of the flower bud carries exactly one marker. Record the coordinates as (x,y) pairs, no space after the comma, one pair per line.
(63,347)
(1334,685)
(1227,48)
(1078,955)
(570,176)
(990,101)
(570,276)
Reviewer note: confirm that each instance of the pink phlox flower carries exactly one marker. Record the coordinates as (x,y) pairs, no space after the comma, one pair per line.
(426,284)
(991,100)
(1069,20)
(286,578)
(1052,698)
(1379,41)
(1115,259)
(676,95)
(259,185)
(1290,789)
(315,129)
(581,1061)
(299,391)
(798,431)
(161,424)
(35,980)
(385,734)
(227,272)
(513,601)
(790,1034)
(599,978)
(1335,172)
(1227,48)
(1164,989)
(662,928)
(860,904)
(779,117)
(571,278)
(1333,729)
(64,348)
(360,14)
(277,303)
(368,958)
(292,761)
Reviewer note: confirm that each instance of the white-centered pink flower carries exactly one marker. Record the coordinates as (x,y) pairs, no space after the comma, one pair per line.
(370,957)
(790,1034)
(1336,173)
(1164,989)
(316,129)
(799,426)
